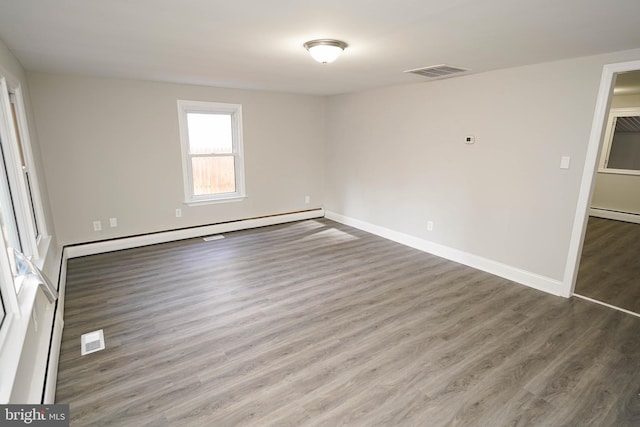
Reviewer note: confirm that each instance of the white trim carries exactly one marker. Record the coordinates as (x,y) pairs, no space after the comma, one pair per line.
(11,350)
(20,307)
(17,182)
(620,172)
(52,369)
(51,380)
(169,236)
(618,216)
(21,116)
(590,170)
(39,366)
(606,305)
(219,200)
(235,113)
(523,277)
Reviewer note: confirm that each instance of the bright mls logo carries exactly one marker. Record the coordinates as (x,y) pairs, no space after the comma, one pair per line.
(34,415)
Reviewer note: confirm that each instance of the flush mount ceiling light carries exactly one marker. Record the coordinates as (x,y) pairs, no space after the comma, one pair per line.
(325,50)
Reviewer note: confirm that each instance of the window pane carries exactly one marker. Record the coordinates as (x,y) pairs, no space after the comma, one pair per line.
(625,146)
(213,175)
(7,213)
(14,114)
(209,133)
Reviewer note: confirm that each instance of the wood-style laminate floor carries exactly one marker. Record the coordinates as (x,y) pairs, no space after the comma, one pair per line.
(610,263)
(315,323)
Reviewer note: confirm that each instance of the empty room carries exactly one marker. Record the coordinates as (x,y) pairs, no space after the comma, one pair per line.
(328,213)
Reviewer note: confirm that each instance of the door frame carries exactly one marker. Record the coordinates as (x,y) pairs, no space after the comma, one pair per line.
(591,168)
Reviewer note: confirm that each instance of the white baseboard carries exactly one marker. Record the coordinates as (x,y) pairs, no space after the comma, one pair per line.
(618,216)
(51,379)
(188,233)
(523,277)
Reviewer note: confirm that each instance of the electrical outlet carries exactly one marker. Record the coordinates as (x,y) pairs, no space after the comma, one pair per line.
(307,199)
(113,222)
(178,213)
(429,225)
(97,226)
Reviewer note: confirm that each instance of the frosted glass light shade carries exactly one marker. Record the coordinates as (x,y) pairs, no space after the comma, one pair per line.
(325,50)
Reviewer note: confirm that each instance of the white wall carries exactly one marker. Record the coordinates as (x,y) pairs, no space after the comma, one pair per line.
(396,158)
(30,375)
(620,193)
(111,149)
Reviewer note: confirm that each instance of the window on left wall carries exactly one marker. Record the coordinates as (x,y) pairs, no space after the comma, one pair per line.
(22,225)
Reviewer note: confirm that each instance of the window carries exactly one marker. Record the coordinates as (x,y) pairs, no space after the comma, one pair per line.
(212,161)
(621,148)
(22,150)
(22,226)
(8,217)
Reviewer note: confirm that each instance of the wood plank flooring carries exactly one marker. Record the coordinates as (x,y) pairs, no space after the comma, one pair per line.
(610,264)
(315,323)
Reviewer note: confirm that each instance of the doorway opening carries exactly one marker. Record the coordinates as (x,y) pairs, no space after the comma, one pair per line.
(604,258)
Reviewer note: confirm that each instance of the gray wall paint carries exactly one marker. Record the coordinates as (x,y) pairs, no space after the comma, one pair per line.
(393,157)
(111,149)
(619,193)
(396,158)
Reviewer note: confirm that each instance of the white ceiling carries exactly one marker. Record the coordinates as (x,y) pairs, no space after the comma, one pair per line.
(257,44)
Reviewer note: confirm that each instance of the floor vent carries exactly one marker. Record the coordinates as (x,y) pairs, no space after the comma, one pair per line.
(91,342)
(210,238)
(438,71)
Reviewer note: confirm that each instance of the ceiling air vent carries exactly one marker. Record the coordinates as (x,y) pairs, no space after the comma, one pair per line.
(438,71)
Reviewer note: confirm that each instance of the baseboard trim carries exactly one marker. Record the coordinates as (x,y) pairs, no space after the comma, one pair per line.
(523,277)
(187,233)
(51,377)
(618,216)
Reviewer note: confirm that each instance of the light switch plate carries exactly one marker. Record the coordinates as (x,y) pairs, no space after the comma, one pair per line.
(565,161)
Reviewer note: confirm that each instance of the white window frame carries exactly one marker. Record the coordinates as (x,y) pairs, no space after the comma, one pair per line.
(235,111)
(34,244)
(19,293)
(21,116)
(608,140)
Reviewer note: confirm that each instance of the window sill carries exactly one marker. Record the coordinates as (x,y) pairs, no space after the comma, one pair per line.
(620,171)
(43,250)
(214,201)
